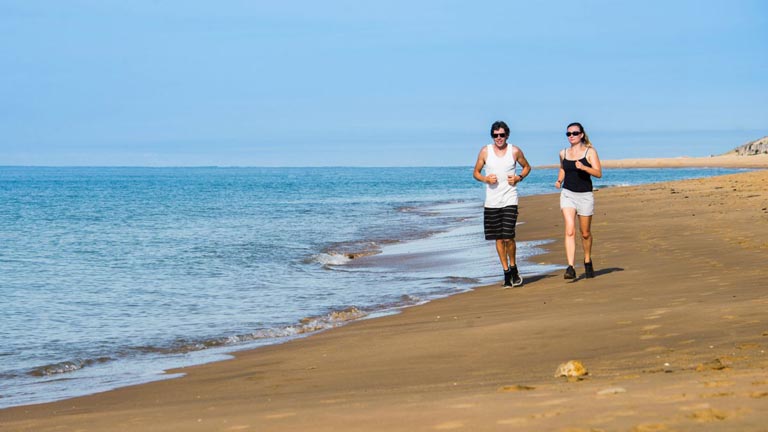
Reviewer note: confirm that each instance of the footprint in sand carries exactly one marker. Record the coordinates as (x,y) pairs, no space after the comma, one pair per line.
(449,425)
(554,402)
(748,346)
(545,415)
(613,415)
(708,415)
(278,416)
(517,421)
(650,427)
(718,384)
(332,401)
(515,388)
(716,395)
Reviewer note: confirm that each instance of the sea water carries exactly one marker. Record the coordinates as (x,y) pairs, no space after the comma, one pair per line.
(110,276)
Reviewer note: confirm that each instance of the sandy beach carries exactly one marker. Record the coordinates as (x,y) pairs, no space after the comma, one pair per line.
(673,331)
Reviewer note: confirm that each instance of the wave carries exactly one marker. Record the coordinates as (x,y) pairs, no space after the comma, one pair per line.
(462,280)
(332,259)
(342,253)
(304,326)
(422,211)
(66,366)
(614,185)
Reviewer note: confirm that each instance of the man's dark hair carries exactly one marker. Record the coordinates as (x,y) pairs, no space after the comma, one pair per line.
(499,125)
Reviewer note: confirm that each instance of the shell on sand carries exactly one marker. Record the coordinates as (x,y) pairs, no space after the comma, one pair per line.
(573,368)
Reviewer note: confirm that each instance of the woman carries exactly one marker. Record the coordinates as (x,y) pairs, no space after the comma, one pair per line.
(578,164)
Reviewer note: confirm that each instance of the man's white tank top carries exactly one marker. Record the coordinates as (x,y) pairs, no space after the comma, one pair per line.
(501,193)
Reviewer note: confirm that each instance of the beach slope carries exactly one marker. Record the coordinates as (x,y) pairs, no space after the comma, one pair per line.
(673,332)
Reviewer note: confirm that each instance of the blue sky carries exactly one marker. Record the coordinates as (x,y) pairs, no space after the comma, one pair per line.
(256,83)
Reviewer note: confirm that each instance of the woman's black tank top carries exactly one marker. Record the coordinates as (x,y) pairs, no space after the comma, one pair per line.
(575,179)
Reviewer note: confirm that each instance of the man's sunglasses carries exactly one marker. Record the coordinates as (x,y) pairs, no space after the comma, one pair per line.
(501,135)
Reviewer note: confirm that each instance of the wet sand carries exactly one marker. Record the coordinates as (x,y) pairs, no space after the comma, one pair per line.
(673,331)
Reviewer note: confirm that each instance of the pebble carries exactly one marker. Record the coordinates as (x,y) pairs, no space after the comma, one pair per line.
(573,368)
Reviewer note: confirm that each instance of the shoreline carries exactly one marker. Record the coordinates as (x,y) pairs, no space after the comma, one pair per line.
(466,360)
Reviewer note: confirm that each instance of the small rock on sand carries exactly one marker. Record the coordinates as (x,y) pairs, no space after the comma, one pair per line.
(715,364)
(573,368)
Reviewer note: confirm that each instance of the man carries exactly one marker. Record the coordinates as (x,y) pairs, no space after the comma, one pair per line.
(500,215)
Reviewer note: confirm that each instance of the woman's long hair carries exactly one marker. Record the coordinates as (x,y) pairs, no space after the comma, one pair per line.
(584,137)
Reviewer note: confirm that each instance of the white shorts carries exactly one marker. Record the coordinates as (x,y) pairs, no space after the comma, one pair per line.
(583,202)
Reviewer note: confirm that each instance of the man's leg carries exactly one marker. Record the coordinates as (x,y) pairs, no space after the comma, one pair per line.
(511,248)
(501,249)
(514,274)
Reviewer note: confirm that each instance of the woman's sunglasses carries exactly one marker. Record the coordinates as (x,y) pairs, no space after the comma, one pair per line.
(572,134)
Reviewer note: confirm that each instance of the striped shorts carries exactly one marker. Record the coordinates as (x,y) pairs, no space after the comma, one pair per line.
(499,223)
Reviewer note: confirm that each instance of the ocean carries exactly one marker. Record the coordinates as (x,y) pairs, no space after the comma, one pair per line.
(110,276)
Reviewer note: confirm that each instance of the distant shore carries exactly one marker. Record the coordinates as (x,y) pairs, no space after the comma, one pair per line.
(719,161)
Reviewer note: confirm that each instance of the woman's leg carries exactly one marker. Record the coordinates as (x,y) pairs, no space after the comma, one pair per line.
(585,225)
(569,217)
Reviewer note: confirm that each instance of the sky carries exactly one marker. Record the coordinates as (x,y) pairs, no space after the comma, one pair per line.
(386,83)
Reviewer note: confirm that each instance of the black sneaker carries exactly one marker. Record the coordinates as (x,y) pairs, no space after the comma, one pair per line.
(507,279)
(570,273)
(590,271)
(517,280)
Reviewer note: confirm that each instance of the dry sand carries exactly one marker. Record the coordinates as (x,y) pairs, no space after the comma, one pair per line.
(673,331)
